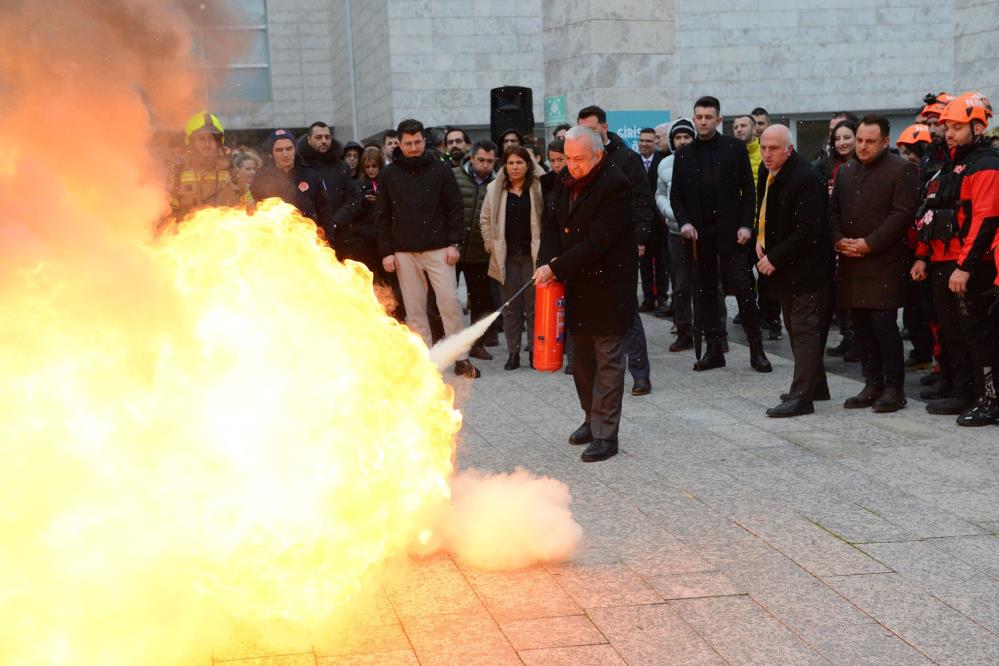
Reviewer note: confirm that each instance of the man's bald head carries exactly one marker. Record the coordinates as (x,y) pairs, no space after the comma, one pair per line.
(775,146)
(778,133)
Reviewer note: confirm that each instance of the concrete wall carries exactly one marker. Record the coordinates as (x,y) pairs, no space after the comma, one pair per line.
(617,55)
(976,48)
(437,59)
(447,54)
(811,56)
(301,66)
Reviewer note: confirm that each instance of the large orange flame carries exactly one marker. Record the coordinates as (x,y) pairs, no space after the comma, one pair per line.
(248,443)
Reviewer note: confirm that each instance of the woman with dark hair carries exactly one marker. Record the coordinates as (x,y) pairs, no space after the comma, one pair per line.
(511,231)
(842,141)
(358,240)
(352,158)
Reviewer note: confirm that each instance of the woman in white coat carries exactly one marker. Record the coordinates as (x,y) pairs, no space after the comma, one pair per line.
(511,229)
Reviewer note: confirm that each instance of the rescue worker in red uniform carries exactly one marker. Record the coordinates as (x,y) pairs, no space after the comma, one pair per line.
(958,229)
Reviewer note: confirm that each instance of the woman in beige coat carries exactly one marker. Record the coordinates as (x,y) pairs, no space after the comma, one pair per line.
(511,229)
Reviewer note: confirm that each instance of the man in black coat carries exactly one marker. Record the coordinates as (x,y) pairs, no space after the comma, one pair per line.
(318,150)
(793,250)
(642,210)
(293,183)
(713,198)
(588,242)
(653,267)
(421,225)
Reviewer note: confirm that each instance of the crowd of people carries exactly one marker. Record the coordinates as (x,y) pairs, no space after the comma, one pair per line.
(846,238)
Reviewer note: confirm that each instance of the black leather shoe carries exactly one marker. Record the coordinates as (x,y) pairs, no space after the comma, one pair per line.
(821,394)
(949,406)
(582,435)
(943,389)
(466,369)
(663,311)
(865,398)
(568,369)
(599,449)
(479,351)
(513,362)
(985,412)
(775,333)
(682,343)
(641,387)
(790,408)
(724,346)
(646,305)
(737,319)
(930,378)
(714,358)
(891,400)
(759,361)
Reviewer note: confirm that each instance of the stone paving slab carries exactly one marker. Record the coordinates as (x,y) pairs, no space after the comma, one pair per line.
(716,536)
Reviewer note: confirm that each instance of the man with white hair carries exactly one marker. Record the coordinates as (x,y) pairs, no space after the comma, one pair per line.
(588,242)
(792,248)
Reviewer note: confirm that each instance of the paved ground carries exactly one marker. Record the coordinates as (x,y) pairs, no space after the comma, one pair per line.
(716,536)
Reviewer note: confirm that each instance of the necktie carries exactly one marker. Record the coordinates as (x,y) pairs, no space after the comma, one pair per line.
(761,236)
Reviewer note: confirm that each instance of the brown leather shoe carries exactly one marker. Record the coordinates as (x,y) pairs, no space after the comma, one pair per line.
(891,400)
(865,398)
(480,352)
(466,369)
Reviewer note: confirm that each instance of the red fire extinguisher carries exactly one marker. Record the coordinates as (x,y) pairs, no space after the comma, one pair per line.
(549,326)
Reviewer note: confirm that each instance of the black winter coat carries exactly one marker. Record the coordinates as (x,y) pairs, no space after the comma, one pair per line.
(419,206)
(473,249)
(593,244)
(797,230)
(302,187)
(358,240)
(735,191)
(345,198)
(876,202)
(630,163)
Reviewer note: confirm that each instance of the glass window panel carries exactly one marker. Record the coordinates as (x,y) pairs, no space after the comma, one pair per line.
(250,12)
(237,47)
(251,84)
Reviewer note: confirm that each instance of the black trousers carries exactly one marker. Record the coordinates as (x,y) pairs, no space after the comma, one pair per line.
(958,367)
(916,319)
(598,371)
(880,344)
(737,276)
(653,266)
(980,331)
(768,304)
(807,318)
(480,295)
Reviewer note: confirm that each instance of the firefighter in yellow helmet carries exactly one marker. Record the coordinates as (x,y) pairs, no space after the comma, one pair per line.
(202,178)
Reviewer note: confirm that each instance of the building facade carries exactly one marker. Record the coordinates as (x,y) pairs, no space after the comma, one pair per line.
(364,65)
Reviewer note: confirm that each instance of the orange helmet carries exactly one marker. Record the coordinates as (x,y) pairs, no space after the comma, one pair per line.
(967,107)
(914,134)
(934,104)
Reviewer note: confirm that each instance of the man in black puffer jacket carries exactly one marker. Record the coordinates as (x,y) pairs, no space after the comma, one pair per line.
(318,150)
(421,225)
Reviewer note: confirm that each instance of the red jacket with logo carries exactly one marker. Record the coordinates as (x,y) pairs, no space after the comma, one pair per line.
(977,212)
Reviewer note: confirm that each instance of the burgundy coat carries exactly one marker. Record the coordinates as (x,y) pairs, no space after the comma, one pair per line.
(876,202)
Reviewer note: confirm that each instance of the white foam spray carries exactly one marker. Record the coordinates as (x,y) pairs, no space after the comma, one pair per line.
(451,348)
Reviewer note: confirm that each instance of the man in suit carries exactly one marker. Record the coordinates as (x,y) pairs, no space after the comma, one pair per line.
(713,199)
(588,242)
(793,252)
(654,264)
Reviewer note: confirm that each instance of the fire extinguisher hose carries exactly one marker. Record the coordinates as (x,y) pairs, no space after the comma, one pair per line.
(519,292)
